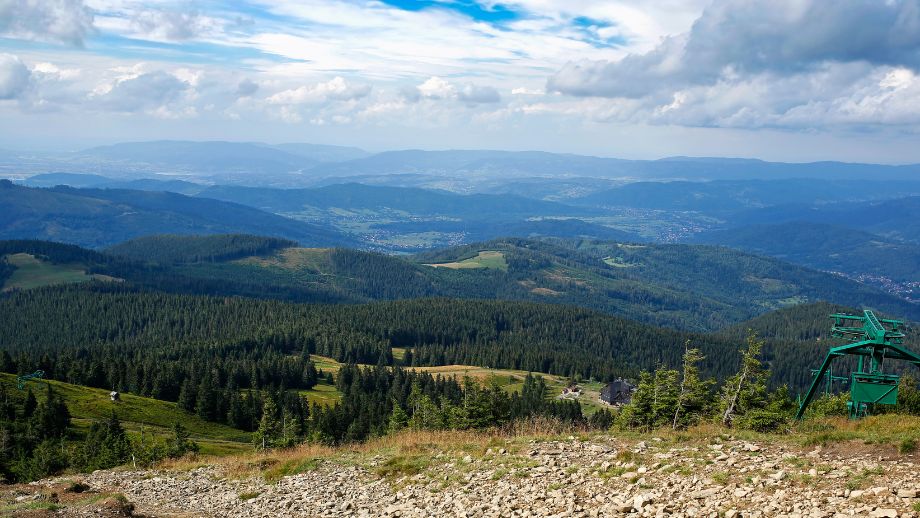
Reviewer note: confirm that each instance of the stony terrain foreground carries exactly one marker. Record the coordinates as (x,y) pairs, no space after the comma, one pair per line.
(597,477)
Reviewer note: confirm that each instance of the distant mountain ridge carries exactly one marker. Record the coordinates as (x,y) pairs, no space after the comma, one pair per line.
(824,246)
(697,287)
(721,196)
(360,196)
(322,161)
(102,217)
(898,218)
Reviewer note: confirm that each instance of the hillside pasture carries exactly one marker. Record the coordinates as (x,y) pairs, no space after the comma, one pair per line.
(32,272)
(484,259)
(152,417)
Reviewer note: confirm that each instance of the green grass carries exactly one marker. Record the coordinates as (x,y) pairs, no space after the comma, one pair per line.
(312,259)
(322,394)
(484,259)
(152,416)
(32,272)
(17,508)
(508,379)
(617,262)
(403,465)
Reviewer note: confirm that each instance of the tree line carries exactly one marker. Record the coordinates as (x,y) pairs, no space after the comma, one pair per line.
(37,439)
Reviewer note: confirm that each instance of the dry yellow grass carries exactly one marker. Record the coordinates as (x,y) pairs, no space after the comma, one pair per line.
(422,447)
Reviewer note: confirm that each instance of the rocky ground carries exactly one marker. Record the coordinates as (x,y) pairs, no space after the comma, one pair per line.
(601,476)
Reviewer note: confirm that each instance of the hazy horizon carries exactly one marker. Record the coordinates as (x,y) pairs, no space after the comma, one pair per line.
(791,81)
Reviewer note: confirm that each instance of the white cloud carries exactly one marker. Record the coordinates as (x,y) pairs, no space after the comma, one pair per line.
(336,89)
(168,25)
(757,63)
(473,94)
(59,21)
(14,77)
(436,88)
(527,91)
(149,92)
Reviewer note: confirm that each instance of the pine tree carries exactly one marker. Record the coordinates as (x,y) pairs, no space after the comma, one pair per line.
(638,413)
(106,445)
(746,390)
(693,399)
(270,426)
(291,431)
(398,420)
(187,395)
(665,397)
(180,443)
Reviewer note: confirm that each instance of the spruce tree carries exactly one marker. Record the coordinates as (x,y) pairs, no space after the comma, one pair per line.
(180,443)
(693,399)
(665,397)
(270,426)
(747,389)
(398,420)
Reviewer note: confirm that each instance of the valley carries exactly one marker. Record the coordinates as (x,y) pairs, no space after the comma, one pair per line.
(459,258)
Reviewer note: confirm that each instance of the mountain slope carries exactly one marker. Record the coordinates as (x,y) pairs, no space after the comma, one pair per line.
(213,156)
(483,163)
(695,287)
(825,247)
(721,196)
(692,287)
(353,196)
(170,249)
(101,217)
(898,218)
(103,182)
(322,153)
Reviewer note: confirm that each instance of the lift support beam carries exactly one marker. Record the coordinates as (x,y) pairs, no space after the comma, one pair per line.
(875,342)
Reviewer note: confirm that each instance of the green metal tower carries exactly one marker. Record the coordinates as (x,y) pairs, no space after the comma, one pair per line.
(872,339)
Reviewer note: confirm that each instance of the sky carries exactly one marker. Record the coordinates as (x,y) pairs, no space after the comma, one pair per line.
(791,80)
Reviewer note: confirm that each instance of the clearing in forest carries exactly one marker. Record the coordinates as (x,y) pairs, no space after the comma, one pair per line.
(484,259)
(32,272)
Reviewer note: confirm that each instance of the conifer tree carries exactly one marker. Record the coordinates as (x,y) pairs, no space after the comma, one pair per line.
(665,396)
(270,426)
(694,396)
(398,420)
(638,413)
(747,389)
(180,443)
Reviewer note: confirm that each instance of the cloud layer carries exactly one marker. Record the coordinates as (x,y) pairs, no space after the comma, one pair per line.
(62,21)
(752,63)
(503,70)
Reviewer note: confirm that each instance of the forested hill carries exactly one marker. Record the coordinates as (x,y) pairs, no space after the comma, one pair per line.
(698,288)
(106,335)
(101,217)
(826,247)
(692,284)
(171,248)
(89,334)
(354,196)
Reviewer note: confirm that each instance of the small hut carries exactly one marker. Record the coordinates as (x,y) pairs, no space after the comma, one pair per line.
(617,392)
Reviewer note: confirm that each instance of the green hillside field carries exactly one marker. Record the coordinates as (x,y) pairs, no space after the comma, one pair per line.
(137,414)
